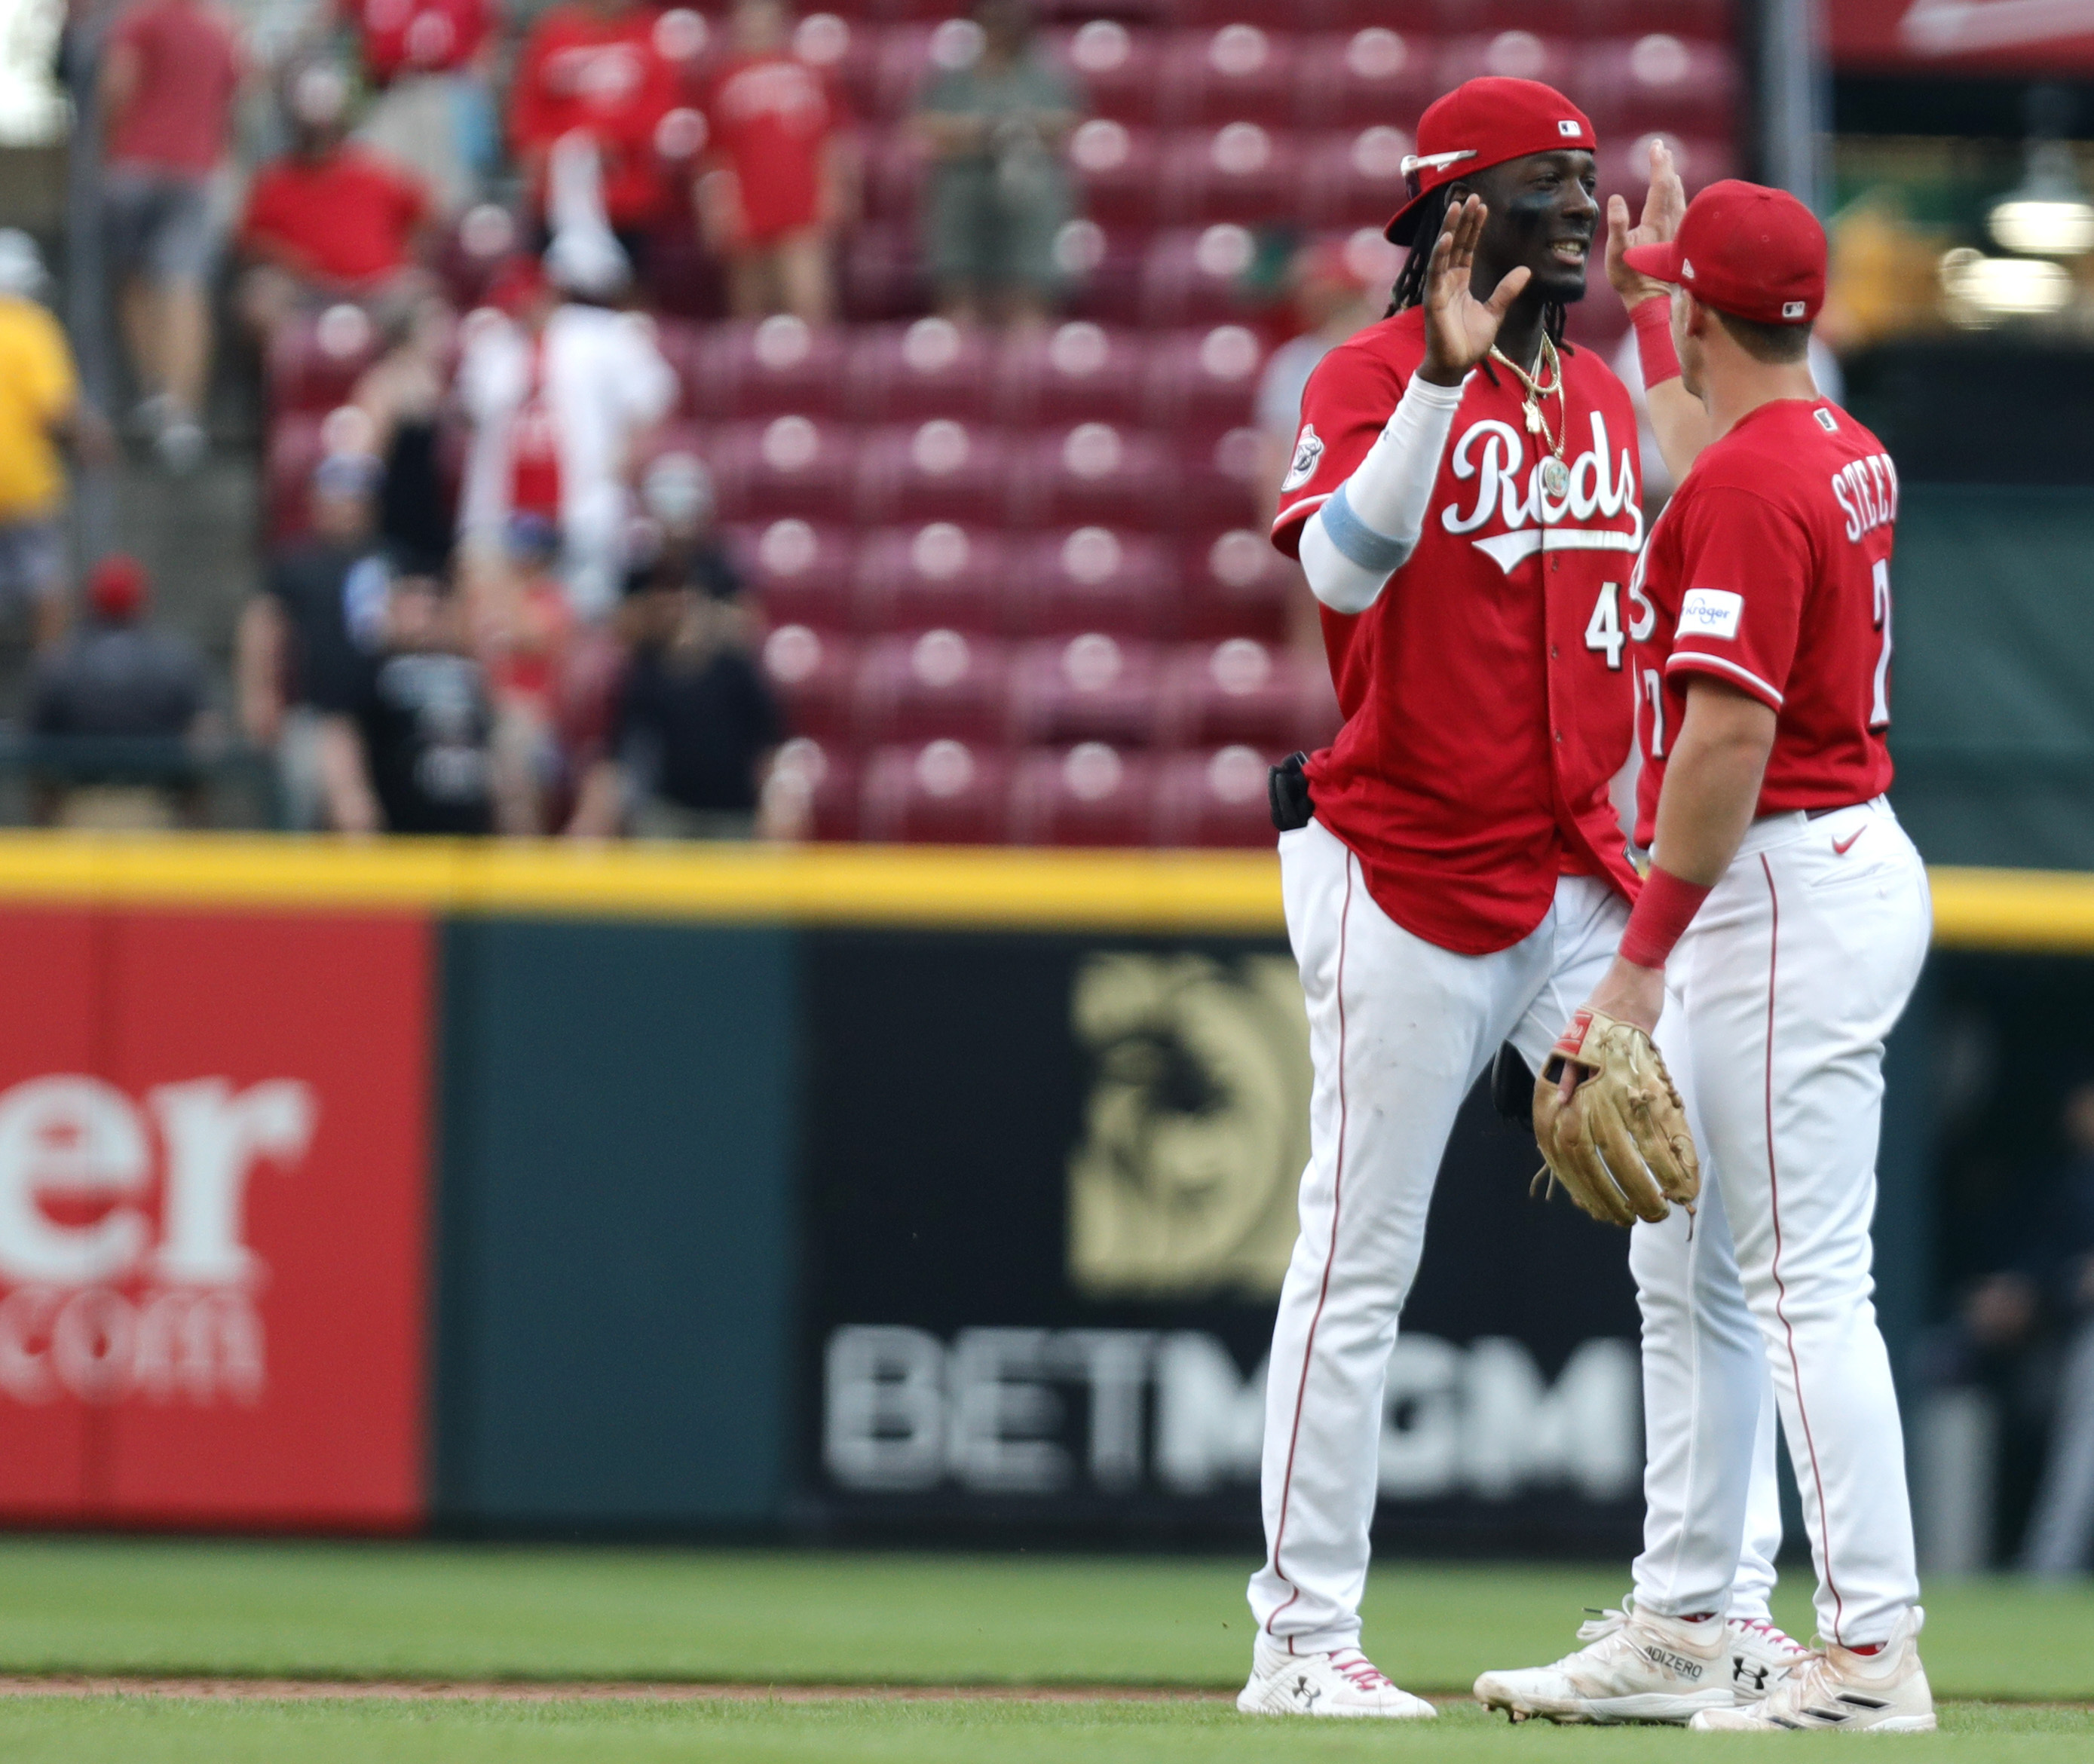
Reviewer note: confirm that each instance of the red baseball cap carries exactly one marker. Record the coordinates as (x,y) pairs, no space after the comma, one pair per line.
(1484,123)
(1754,253)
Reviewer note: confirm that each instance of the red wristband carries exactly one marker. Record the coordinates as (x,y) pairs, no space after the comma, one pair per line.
(1652,319)
(1663,911)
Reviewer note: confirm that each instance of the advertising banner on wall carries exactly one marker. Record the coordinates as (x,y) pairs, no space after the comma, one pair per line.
(1050,1200)
(213,1191)
(2035,38)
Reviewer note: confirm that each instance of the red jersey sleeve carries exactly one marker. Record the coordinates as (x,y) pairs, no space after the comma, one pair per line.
(1744,563)
(1347,403)
(264,217)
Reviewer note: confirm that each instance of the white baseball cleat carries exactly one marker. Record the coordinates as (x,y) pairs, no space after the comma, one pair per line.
(1343,1682)
(1884,1692)
(1760,1654)
(1635,1666)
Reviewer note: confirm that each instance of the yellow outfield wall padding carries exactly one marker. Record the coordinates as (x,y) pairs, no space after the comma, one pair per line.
(980,887)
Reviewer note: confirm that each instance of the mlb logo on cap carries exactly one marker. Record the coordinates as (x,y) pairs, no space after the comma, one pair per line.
(1792,309)
(1570,129)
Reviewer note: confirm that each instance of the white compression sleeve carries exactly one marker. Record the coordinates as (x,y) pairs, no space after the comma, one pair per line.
(1364,534)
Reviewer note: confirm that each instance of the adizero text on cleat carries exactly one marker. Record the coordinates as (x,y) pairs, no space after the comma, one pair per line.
(1634,1666)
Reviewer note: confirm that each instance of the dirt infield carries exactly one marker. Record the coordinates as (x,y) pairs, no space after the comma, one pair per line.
(523,1691)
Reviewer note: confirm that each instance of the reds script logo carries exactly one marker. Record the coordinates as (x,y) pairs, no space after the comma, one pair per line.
(98,1304)
(1491,452)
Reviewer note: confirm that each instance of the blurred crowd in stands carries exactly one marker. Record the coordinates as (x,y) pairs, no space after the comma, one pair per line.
(710,423)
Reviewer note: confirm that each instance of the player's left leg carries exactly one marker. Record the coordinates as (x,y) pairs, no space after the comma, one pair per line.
(1800,975)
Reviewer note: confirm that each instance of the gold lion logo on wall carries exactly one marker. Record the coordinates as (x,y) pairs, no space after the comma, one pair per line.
(1197,1128)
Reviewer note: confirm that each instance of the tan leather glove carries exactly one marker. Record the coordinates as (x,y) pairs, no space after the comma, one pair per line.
(1619,1145)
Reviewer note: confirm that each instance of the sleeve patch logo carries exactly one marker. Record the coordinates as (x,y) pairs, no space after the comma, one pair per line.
(1308,453)
(1712,612)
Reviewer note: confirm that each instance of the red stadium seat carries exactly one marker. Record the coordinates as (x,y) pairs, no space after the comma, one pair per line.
(921,578)
(1625,165)
(845,50)
(1420,18)
(1199,277)
(470,257)
(1658,81)
(1102,271)
(1520,53)
(915,689)
(1240,172)
(792,465)
(775,366)
(906,57)
(883,273)
(1117,169)
(1356,79)
(1121,69)
(895,167)
(1216,798)
(1089,688)
(1238,690)
(1357,179)
(1095,474)
(1094,578)
(940,470)
(1205,382)
(943,792)
(1077,372)
(1236,585)
(1092,795)
(1713,20)
(815,677)
(802,573)
(823,778)
(933,367)
(1238,73)
(315,362)
(1222,482)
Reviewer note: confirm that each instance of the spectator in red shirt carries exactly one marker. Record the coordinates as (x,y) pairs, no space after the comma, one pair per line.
(780,177)
(611,69)
(428,61)
(331,220)
(169,73)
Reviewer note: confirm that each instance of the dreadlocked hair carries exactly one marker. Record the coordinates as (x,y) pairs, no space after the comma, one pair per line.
(1410,289)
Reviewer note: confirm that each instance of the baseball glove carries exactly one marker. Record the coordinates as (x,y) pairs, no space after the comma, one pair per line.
(1620,1144)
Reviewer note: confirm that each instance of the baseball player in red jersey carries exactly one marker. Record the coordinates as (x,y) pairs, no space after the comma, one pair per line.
(1464,499)
(1779,934)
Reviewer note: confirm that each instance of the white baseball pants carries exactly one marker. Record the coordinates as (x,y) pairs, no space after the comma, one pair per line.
(1399,1030)
(1778,1001)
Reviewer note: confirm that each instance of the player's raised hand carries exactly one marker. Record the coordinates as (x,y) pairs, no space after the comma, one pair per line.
(1460,329)
(1662,208)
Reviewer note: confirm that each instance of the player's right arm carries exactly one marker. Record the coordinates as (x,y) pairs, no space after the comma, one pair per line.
(1677,418)
(1364,530)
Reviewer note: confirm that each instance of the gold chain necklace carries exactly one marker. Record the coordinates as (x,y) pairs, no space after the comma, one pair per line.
(1555,475)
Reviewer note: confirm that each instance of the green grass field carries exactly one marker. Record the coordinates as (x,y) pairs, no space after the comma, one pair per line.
(2018,1662)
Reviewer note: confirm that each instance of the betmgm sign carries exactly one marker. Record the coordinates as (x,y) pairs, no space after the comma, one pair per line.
(1056,1308)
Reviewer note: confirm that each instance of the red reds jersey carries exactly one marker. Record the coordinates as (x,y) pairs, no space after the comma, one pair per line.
(1486,693)
(1770,569)
(771,117)
(613,76)
(418,36)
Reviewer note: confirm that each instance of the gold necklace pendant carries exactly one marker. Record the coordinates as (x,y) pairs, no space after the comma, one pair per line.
(1533,413)
(1555,477)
